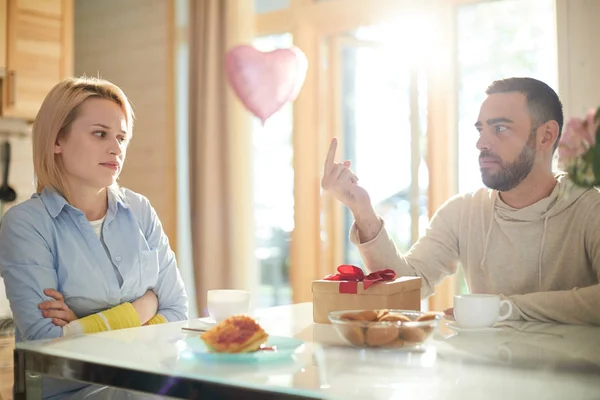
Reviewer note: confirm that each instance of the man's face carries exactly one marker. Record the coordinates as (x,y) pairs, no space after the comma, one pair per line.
(507,140)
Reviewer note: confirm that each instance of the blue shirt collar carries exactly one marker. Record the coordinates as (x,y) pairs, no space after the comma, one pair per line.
(55,202)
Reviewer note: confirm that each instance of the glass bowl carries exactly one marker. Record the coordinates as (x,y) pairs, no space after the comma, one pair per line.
(383,328)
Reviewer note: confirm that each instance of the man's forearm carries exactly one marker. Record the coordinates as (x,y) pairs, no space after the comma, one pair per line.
(368,223)
(575,306)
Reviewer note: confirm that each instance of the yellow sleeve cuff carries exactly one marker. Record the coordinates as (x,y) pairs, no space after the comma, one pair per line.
(90,324)
(119,317)
(157,319)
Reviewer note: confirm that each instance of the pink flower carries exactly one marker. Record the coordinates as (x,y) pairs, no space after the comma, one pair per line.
(591,128)
(574,141)
(577,152)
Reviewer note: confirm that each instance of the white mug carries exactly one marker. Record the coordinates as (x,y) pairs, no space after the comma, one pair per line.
(479,310)
(224,303)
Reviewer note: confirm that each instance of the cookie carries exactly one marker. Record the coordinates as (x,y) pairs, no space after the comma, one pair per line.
(395,318)
(412,334)
(426,317)
(381,335)
(396,344)
(382,313)
(368,315)
(354,335)
(349,317)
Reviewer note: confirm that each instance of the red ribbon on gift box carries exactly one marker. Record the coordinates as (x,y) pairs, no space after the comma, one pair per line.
(350,275)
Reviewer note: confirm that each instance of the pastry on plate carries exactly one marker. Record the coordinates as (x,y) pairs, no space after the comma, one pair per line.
(237,334)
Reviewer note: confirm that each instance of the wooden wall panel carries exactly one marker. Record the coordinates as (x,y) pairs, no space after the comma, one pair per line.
(20,178)
(131,44)
(578,32)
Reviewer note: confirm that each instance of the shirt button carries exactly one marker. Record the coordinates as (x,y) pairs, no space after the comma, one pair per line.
(118,258)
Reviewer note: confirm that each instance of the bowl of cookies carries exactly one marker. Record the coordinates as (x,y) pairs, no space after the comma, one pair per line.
(385,329)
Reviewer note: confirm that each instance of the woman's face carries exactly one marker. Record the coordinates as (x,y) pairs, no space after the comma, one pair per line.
(93,151)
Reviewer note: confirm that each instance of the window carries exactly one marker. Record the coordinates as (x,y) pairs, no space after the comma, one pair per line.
(184,240)
(273,193)
(498,40)
(384,116)
(371,89)
(267,6)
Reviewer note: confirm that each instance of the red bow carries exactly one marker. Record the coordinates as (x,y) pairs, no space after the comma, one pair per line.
(351,274)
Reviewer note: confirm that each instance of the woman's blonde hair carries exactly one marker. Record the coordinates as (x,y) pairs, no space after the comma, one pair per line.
(54,119)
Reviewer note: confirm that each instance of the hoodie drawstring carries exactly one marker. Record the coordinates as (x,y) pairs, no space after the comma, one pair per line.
(542,244)
(488,234)
(541,253)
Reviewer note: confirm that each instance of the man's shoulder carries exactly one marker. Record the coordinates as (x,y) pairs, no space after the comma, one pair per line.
(585,211)
(593,194)
(589,200)
(477,198)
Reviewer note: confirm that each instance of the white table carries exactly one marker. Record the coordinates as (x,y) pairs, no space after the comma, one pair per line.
(520,361)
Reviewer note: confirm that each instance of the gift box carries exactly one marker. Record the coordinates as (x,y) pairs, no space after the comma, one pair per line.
(350,289)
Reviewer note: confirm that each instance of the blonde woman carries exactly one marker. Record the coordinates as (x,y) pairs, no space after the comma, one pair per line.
(83,255)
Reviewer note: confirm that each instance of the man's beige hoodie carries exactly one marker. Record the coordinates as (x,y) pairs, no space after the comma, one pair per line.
(544,258)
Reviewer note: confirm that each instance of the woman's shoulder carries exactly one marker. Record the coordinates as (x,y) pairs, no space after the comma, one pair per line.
(140,208)
(133,199)
(32,210)
(29,218)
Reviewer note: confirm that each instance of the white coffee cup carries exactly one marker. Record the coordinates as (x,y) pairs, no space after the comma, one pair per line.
(479,310)
(224,303)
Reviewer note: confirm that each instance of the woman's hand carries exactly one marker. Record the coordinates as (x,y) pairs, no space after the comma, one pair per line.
(56,309)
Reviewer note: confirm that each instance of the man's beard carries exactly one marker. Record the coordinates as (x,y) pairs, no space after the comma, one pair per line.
(511,174)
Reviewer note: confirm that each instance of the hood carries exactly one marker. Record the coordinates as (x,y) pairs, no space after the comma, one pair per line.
(565,193)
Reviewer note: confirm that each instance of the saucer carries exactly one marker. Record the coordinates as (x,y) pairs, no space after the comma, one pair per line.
(282,348)
(456,328)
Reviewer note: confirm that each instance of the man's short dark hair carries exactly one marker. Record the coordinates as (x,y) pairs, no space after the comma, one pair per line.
(542,101)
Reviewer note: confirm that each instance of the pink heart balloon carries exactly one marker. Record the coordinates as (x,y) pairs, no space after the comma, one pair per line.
(265,81)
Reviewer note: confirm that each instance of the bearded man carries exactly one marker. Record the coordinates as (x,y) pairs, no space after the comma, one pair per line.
(531,236)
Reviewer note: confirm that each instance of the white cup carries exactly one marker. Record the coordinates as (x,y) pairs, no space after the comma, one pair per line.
(225,303)
(479,310)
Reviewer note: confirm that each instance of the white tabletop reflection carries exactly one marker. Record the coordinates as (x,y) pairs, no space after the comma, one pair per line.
(516,360)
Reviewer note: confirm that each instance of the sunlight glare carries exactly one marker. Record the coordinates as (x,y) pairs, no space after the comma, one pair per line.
(410,37)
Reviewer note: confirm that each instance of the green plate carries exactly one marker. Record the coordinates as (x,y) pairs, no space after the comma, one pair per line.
(285,347)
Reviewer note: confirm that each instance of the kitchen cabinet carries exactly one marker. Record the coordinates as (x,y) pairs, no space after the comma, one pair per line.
(36,52)
(7,345)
